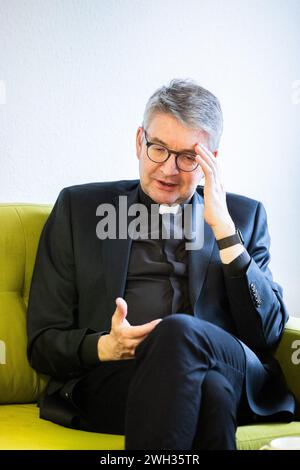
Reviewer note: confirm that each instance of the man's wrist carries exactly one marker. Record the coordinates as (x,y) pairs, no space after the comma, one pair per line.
(224,230)
(103,347)
(88,349)
(228,255)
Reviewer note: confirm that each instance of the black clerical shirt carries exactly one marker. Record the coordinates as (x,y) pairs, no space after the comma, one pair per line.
(157,276)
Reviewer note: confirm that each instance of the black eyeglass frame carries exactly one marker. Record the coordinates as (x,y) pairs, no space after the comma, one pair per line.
(170,152)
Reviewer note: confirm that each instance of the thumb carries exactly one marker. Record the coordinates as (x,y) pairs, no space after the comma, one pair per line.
(121,310)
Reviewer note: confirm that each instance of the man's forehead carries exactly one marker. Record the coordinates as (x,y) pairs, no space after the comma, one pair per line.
(185,142)
(169,131)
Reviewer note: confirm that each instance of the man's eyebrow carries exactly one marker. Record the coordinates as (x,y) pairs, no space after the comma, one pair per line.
(166,145)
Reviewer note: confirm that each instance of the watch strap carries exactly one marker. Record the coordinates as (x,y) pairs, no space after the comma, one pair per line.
(231,240)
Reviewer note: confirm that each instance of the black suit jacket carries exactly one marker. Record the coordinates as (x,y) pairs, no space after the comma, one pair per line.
(77,278)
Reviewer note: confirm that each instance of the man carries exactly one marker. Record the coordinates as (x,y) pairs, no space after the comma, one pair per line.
(141,335)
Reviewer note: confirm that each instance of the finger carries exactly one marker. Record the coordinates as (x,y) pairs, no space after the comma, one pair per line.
(208,157)
(205,163)
(206,151)
(133,343)
(136,332)
(121,311)
(211,161)
(207,170)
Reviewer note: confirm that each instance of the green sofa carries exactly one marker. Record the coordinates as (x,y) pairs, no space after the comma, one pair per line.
(20,386)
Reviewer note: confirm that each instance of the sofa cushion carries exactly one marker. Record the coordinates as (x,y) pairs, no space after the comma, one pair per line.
(21,428)
(255,436)
(21,226)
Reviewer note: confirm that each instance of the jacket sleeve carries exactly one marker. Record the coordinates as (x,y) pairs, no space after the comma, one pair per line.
(54,339)
(256,302)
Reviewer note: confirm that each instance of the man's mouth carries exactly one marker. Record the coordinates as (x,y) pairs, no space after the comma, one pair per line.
(167,184)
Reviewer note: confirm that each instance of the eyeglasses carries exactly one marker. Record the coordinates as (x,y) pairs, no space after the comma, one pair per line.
(159,154)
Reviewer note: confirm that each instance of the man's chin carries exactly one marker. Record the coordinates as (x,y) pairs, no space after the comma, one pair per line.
(160,198)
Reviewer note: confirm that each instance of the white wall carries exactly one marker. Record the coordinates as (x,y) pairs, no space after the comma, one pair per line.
(75,76)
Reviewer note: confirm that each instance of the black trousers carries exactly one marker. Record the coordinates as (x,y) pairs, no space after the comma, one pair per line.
(183,390)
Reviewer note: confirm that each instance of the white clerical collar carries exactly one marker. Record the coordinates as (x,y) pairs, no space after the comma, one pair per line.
(166,209)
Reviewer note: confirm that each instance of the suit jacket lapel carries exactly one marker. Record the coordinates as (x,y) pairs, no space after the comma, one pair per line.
(199,259)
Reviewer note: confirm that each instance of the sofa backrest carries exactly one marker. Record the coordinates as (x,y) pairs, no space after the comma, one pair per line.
(20,229)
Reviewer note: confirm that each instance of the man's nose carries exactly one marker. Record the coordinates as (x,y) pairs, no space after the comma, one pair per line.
(169,167)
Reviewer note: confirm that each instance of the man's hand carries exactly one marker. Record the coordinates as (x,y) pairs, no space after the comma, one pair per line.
(123,338)
(215,208)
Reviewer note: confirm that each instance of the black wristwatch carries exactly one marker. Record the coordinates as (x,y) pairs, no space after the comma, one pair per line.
(231,240)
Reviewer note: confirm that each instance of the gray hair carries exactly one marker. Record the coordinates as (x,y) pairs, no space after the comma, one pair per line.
(194,106)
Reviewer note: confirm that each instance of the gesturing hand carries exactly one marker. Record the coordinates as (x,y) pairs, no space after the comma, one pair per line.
(123,338)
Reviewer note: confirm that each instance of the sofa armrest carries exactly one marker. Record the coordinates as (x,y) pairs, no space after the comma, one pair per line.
(288,355)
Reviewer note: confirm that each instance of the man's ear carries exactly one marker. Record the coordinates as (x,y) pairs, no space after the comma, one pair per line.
(139,141)
(216,153)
